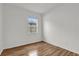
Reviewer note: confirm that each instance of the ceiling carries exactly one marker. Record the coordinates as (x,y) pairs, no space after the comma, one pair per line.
(38,7)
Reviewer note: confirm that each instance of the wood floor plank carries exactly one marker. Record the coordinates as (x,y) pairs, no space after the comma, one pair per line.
(38,49)
(63,53)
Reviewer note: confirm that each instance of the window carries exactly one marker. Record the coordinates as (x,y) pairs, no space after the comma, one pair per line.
(32,24)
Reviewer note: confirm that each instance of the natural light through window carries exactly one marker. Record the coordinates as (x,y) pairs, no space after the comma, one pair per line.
(32,24)
(33,53)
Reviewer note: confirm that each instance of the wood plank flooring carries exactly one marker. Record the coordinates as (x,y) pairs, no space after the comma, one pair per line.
(38,49)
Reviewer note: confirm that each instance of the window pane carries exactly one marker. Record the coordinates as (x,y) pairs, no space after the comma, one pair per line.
(32,19)
(32,22)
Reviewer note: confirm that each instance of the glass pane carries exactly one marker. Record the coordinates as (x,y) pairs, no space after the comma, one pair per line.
(32,22)
(32,19)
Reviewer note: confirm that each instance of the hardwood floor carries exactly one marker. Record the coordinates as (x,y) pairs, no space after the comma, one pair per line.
(38,49)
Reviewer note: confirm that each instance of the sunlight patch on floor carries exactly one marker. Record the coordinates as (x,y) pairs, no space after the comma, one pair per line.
(33,53)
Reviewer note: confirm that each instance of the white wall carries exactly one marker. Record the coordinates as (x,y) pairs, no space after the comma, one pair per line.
(1,30)
(15,26)
(61,27)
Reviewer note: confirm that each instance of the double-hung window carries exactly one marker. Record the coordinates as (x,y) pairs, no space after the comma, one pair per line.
(33,24)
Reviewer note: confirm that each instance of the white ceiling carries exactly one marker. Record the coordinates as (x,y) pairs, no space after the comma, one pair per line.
(38,7)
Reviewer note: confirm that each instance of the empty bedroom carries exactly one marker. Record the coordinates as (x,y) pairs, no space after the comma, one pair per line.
(39,29)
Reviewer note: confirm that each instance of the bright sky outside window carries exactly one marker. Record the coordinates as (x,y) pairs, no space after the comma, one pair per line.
(33,23)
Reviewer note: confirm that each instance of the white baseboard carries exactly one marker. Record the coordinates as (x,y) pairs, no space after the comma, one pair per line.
(22,44)
(1,51)
(72,50)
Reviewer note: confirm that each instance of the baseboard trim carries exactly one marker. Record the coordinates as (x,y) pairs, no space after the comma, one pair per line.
(21,46)
(62,47)
(1,52)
